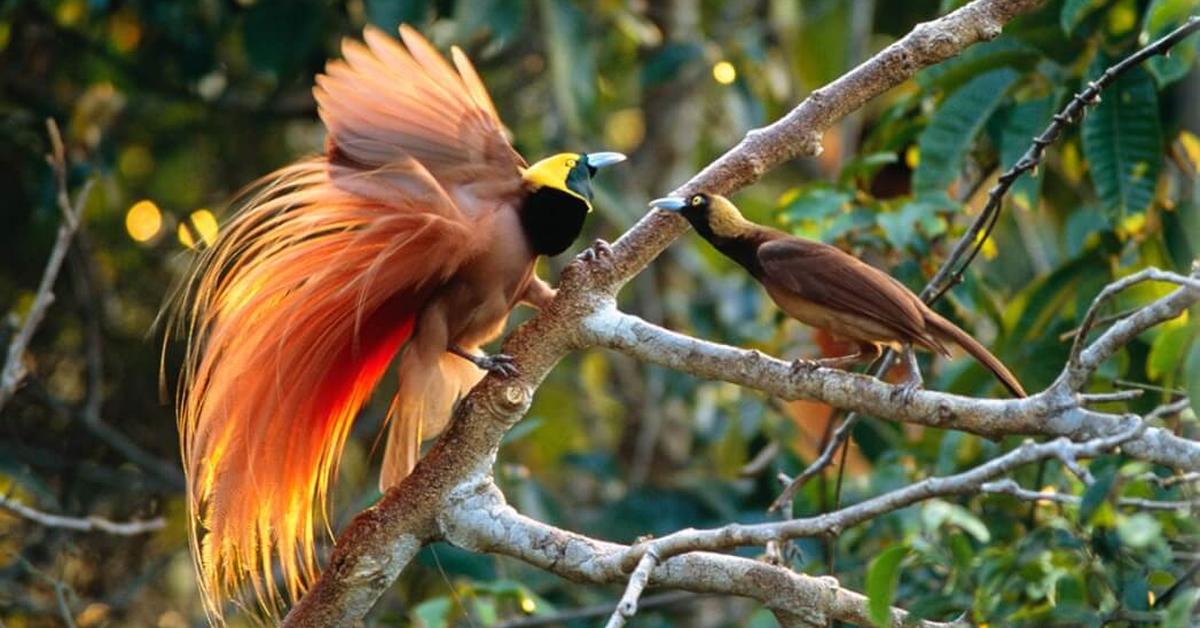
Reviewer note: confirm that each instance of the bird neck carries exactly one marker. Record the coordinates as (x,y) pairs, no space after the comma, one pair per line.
(734,236)
(552,219)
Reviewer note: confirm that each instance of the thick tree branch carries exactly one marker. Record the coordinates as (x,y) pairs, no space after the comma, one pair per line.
(482,521)
(1056,411)
(377,545)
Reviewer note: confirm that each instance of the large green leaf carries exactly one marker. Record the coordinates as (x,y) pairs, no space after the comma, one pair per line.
(1019,125)
(1163,16)
(1123,141)
(952,129)
(882,577)
(1075,11)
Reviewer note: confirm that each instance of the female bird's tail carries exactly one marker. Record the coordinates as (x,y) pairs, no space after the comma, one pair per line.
(946,329)
(291,320)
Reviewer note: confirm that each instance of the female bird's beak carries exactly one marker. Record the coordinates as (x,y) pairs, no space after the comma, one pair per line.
(669,203)
(600,160)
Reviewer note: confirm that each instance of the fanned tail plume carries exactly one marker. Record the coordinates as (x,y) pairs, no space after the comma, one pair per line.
(293,319)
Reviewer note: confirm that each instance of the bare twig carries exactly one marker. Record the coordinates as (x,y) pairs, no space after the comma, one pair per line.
(965,483)
(638,580)
(1009,487)
(14,364)
(81,524)
(1146,274)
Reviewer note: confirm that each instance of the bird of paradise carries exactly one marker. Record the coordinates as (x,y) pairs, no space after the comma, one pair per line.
(414,234)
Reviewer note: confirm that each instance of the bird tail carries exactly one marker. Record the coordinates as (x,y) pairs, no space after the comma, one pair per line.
(431,381)
(291,320)
(950,331)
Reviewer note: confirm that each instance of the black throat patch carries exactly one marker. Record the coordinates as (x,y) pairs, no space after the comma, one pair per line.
(552,220)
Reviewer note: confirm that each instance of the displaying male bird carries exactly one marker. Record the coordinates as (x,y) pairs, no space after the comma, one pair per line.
(415,233)
(822,286)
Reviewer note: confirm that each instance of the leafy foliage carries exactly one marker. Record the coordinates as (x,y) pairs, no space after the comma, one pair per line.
(181,104)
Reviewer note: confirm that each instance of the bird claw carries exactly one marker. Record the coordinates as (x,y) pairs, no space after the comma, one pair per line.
(801,365)
(905,392)
(598,249)
(500,363)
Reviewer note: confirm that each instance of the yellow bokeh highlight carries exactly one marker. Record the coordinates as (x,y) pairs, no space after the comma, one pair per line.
(625,129)
(71,12)
(203,223)
(527,604)
(143,221)
(724,72)
(912,157)
(1191,147)
(124,30)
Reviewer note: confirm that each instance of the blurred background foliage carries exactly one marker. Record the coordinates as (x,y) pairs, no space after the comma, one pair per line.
(173,106)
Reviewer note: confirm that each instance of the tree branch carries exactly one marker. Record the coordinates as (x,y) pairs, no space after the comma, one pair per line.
(81,524)
(13,371)
(379,542)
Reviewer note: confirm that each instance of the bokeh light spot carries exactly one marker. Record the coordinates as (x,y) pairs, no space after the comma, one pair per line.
(724,72)
(143,221)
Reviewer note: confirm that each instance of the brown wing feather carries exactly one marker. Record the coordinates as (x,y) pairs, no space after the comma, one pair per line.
(828,276)
(385,103)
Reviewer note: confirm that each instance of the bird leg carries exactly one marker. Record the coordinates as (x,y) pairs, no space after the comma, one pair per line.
(501,363)
(914,381)
(867,351)
(538,293)
(597,250)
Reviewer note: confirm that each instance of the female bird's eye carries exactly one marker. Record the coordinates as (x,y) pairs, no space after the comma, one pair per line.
(697,200)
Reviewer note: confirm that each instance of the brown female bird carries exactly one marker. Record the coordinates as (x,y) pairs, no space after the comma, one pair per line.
(414,234)
(823,286)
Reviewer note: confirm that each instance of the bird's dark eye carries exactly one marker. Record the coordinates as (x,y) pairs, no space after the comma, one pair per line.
(697,200)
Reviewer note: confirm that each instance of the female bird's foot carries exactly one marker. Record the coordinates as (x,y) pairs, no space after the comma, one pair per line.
(501,363)
(911,384)
(801,365)
(599,249)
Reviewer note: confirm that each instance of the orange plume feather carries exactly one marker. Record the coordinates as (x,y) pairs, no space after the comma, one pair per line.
(294,315)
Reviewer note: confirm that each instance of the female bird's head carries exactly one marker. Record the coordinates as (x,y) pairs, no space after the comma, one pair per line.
(560,196)
(710,214)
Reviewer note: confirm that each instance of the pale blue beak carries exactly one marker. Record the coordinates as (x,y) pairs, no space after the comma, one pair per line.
(601,160)
(669,203)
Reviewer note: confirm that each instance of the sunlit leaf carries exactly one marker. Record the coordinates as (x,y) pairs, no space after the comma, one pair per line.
(883,575)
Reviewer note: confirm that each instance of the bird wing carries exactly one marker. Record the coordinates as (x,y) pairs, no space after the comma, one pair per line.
(828,276)
(385,102)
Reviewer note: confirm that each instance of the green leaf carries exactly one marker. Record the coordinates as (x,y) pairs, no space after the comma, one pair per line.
(952,129)
(1097,493)
(433,613)
(1193,377)
(1179,612)
(883,575)
(1123,141)
(1163,16)
(937,512)
(1167,351)
(1139,530)
(1075,11)
(1020,124)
